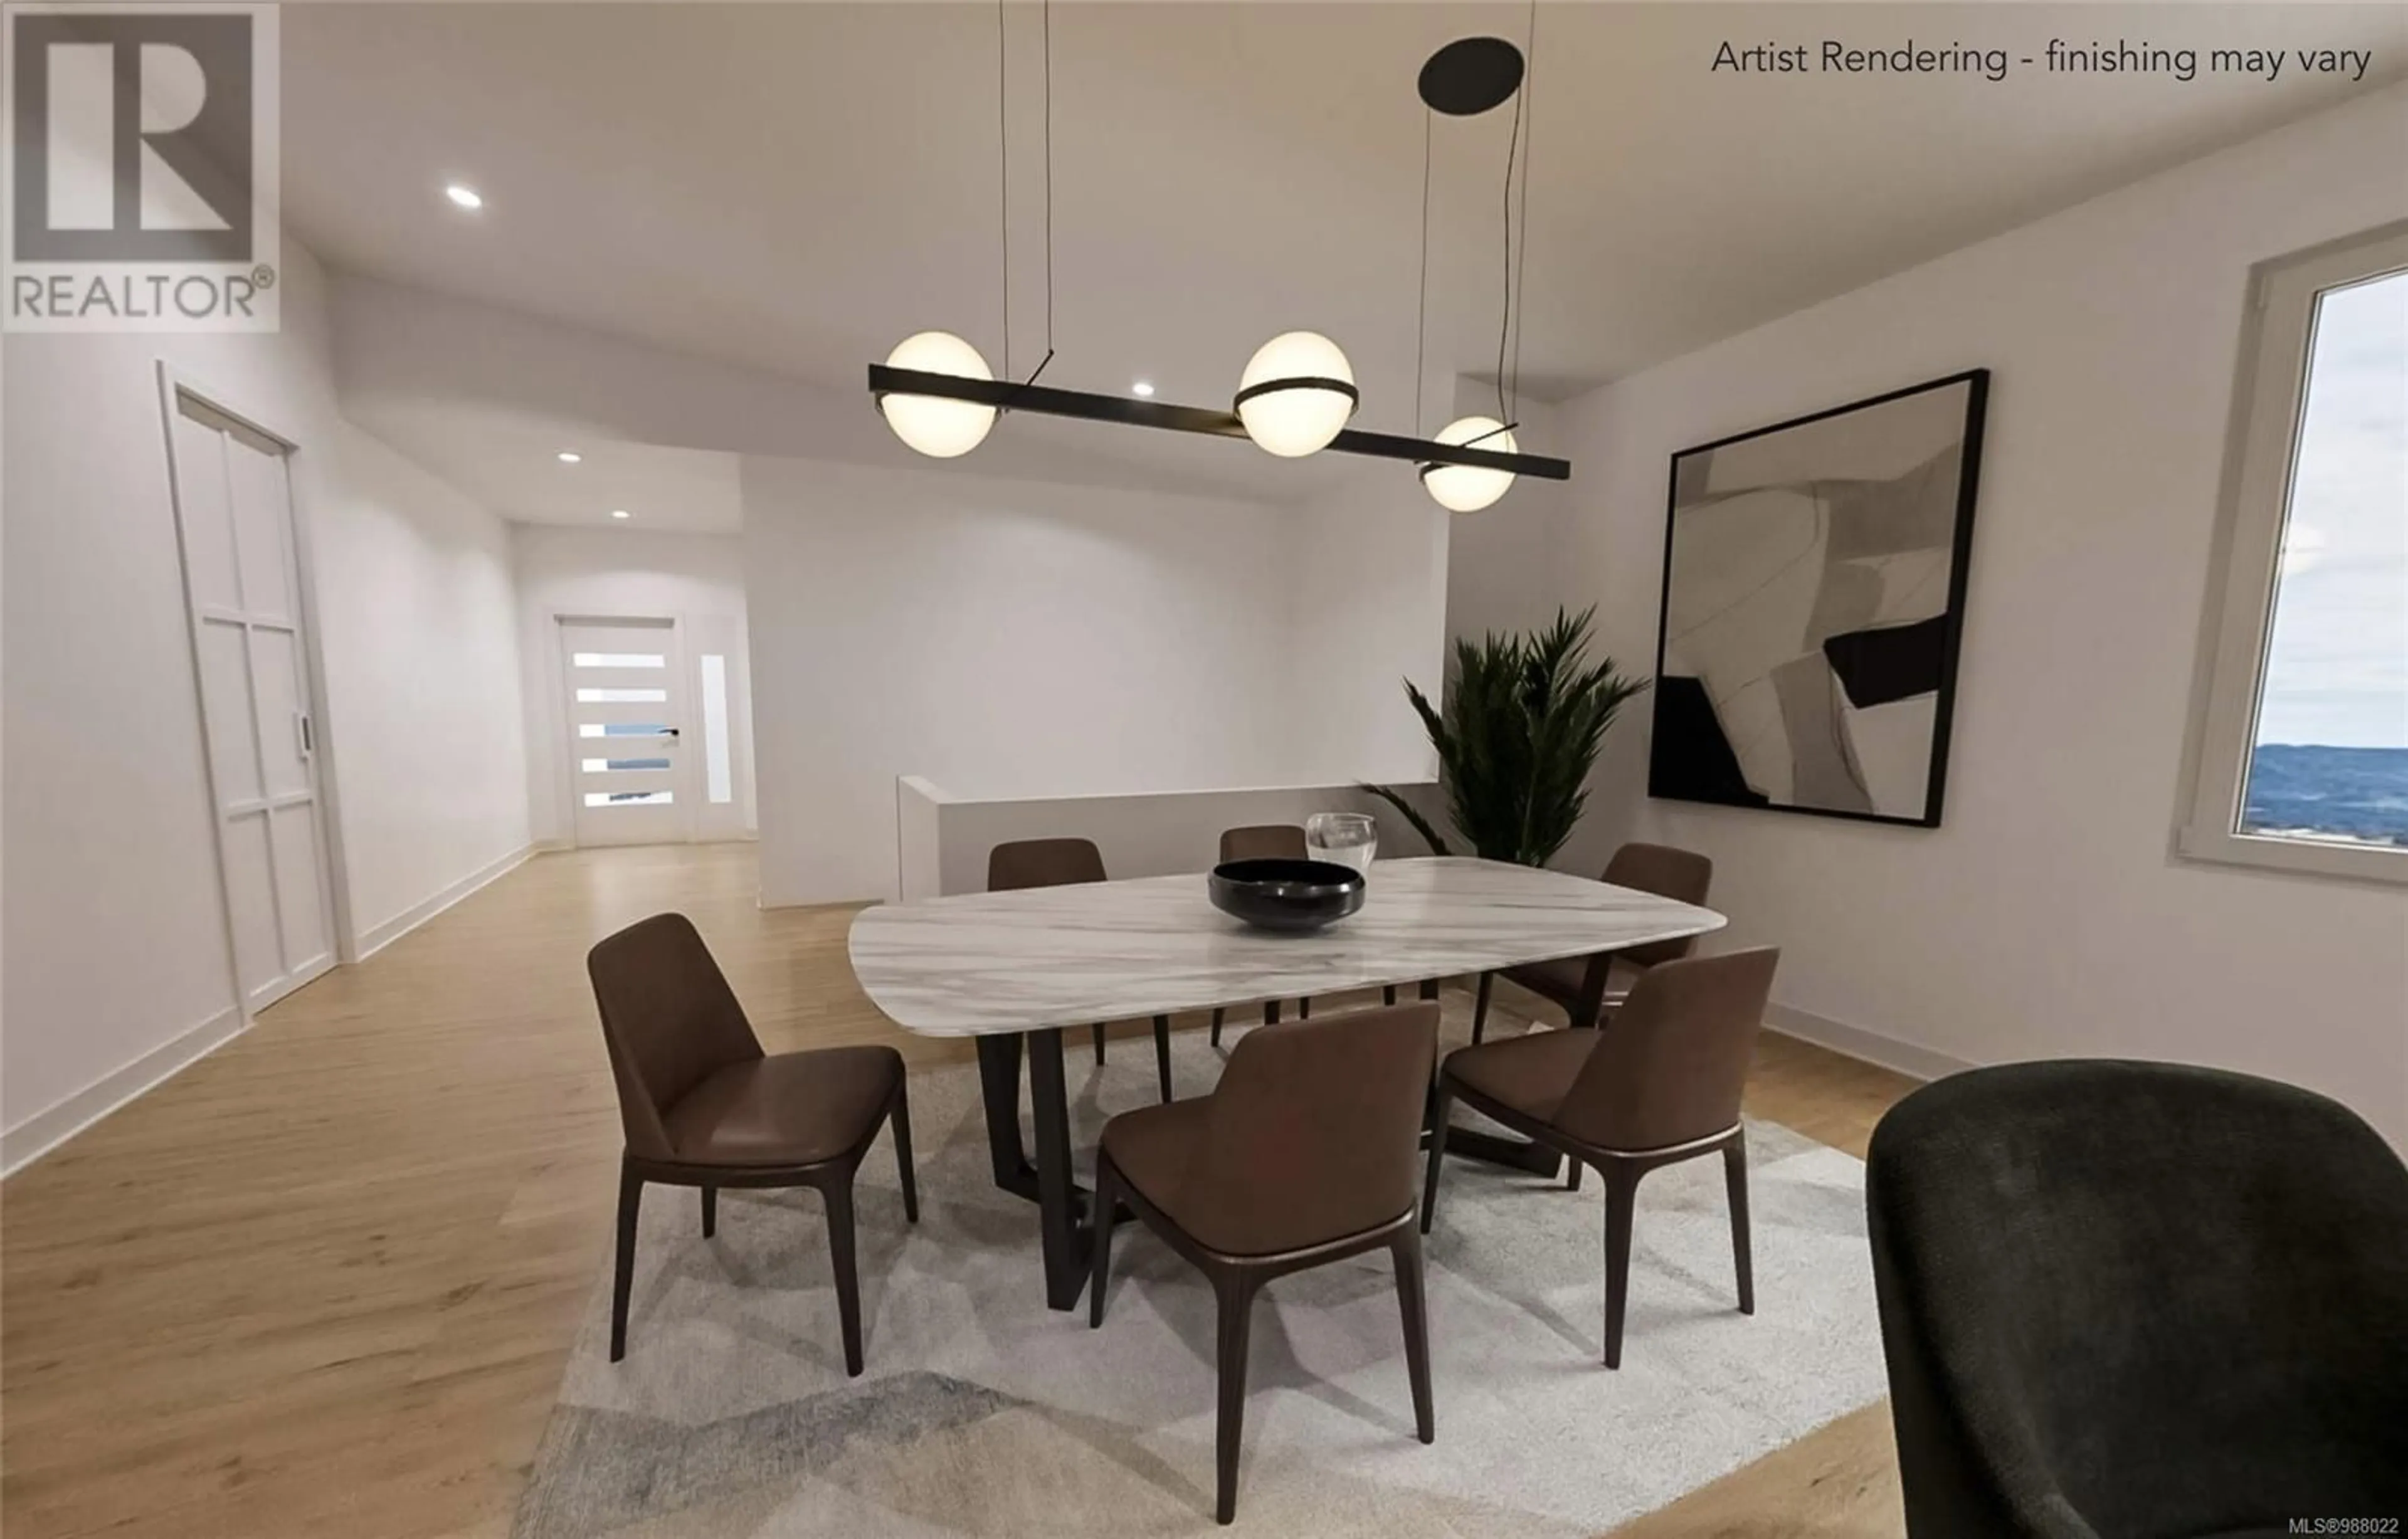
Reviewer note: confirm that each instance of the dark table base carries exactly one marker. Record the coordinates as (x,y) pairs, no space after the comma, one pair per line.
(1065,1225)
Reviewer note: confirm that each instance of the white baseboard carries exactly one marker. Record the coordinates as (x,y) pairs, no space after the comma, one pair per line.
(44,1130)
(47,1130)
(557,847)
(377,938)
(1887,1052)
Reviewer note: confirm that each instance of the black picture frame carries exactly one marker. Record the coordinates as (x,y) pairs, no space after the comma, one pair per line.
(1677,773)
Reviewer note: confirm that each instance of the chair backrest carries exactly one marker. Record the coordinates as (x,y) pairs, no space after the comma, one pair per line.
(669,1019)
(1671,1065)
(2125,1298)
(1682,875)
(1043,862)
(1314,1133)
(1264,841)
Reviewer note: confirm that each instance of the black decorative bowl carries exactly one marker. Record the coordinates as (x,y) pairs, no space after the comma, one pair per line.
(1285,894)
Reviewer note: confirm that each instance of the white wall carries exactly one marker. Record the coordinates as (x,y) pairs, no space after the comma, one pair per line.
(1001,639)
(945,840)
(114,930)
(1134,636)
(695,580)
(1503,561)
(2047,916)
(1510,568)
(426,728)
(1368,590)
(115,935)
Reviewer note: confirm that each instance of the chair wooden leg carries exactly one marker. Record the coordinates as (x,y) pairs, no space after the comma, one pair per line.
(622,1280)
(1734,1178)
(839,1193)
(1217,1013)
(1442,1105)
(902,1124)
(1099,1253)
(1099,1042)
(1480,1007)
(1407,1251)
(1235,1293)
(1162,1053)
(1621,1200)
(1304,1009)
(1387,993)
(709,1212)
(1572,1181)
(1270,1012)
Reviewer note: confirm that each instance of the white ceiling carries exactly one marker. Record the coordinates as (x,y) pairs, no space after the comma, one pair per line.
(515,470)
(793,188)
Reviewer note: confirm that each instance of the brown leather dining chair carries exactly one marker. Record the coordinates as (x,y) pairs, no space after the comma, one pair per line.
(1303,1155)
(1273,842)
(704,1107)
(1020,863)
(1588,986)
(1661,1085)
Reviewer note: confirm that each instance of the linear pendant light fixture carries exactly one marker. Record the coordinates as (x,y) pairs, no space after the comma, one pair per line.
(1298,393)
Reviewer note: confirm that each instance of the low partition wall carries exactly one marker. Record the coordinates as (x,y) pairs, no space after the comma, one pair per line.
(942,839)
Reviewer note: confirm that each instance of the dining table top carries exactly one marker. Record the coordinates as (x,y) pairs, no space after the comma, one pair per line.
(984,962)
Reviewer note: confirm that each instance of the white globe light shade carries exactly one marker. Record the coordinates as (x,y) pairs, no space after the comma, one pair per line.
(1293,419)
(935,427)
(1467,489)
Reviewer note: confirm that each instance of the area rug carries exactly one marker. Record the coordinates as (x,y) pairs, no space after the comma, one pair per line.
(983,1413)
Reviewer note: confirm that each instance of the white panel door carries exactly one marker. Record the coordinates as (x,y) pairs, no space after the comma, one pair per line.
(234,520)
(628,731)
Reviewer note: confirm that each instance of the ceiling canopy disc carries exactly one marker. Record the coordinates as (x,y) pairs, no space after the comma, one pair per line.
(1471,75)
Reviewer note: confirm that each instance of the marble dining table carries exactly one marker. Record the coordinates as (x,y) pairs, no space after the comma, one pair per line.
(1014,969)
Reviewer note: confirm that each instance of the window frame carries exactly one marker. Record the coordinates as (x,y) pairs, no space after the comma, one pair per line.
(2261,465)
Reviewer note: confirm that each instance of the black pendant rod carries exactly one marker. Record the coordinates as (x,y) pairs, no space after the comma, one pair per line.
(1049,401)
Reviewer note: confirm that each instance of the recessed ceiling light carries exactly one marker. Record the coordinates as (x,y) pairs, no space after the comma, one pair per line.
(1143,387)
(569,456)
(620,513)
(466,197)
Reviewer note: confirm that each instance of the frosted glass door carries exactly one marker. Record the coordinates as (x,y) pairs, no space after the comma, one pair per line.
(628,731)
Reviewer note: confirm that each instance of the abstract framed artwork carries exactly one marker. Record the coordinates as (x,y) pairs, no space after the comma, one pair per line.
(1814,599)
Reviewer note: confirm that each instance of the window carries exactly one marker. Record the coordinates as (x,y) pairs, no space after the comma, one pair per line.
(618,660)
(2303,739)
(716,764)
(629,798)
(590,696)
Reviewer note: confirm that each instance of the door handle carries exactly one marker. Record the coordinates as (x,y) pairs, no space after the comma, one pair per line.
(307,736)
(669,732)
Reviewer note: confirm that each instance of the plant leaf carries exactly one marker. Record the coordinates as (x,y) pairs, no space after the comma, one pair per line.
(1524,720)
(1413,816)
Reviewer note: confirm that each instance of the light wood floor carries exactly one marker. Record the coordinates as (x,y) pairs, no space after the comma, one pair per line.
(324,1282)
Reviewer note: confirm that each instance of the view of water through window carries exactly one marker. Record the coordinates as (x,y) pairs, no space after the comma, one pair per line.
(2330,760)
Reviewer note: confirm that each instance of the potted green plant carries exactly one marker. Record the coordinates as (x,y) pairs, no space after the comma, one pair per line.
(1524,718)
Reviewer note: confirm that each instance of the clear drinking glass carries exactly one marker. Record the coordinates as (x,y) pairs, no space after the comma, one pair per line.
(1342,838)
